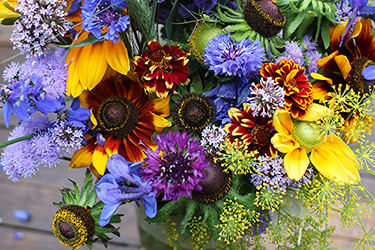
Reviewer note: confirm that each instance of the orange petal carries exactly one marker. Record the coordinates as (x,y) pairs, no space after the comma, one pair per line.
(344,65)
(117,56)
(83,157)
(92,65)
(99,159)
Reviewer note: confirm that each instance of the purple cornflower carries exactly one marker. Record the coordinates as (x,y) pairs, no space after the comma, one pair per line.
(53,71)
(267,96)
(233,58)
(293,51)
(176,166)
(105,18)
(39,24)
(212,138)
(270,172)
(122,183)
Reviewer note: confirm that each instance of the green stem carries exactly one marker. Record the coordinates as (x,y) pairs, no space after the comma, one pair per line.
(66,158)
(22,138)
(154,4)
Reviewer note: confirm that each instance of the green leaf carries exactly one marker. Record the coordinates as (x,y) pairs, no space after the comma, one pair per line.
(304,5)
(211,216)
(91,198)
(76,190)
(196,82)
(312,14)
(165,211)
(190,210)
(172,16)
(325,33)
(85,42)
(295,23)
(9,21)
(116,218)
(87,185)
(58,205)
(294,8)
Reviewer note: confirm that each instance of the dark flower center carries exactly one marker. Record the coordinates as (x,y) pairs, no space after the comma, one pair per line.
(193,112)
(159,59)
(261,135)
(106,14)
(264,17)
(175,169)
(217,185)
(358,83)
(117,116)
(66,230)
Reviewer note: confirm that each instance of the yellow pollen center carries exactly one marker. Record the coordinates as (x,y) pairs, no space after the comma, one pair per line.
(160,60)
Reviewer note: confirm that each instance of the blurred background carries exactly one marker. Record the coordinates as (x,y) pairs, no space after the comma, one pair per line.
(37,194)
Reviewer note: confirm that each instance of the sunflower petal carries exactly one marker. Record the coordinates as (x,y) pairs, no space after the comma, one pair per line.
(296,163)
(284,143)
(160,123)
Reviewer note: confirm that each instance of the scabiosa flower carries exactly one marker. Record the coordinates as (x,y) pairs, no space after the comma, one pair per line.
(44,151)
(254,131)
(39,24)
(162,68)
(290,76)
(270,172)
(11,73)
(266,97)
(176,166)
(212,138)
(105,19)
(294,52)
(233,59)
(312,62)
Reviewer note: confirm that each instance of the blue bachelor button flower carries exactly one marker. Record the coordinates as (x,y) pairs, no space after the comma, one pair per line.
(123,183)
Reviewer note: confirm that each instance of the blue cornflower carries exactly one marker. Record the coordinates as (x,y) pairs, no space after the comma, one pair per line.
(360,8)
(27,98)
(233,58)
(104,18)
(122,183)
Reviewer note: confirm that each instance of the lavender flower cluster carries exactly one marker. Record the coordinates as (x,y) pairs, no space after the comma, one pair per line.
(212,138)
(40,23)
(270,172)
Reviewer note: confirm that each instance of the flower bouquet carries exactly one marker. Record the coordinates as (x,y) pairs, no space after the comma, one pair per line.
(230,124)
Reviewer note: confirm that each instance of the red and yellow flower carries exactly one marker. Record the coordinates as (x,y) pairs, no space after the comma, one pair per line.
(124,118)
(162,68)
(290,76)
(255,131)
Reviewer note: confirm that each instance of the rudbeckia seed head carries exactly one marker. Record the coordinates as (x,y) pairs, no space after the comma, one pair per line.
(203,33)
(307,135)
(117,115)
(193,112)
(216,186)
(358,83)
(264,17)
(74,226)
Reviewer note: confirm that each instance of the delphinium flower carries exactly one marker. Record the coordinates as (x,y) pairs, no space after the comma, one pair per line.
(162,68)
(254,131)
(213,138)
(229,58)
(123,183)
(25,98)
(105,19)
(176,167)
(291,77)
(40,23)
(270,173)
(266,97)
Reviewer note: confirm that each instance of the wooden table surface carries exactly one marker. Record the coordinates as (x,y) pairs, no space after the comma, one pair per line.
(37,194)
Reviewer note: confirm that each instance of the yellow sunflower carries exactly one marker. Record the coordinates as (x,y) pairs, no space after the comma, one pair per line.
(328,153)
(88,64)
(124,119)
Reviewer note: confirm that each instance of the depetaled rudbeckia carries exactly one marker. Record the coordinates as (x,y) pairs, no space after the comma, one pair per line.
(88,64)
(256,131)
(125,116)
(290,76)
(298,139)
(162,68)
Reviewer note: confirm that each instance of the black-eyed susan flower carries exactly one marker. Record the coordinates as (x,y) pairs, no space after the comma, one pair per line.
(298,139)
(162,68)
(88,64)
(124,118)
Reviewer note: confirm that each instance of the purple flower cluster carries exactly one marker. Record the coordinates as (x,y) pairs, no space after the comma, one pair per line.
(104,19)
(293,51)
(176,166)
(122,183)
(266,97)
(39,24)
(270,172)
(229,58)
